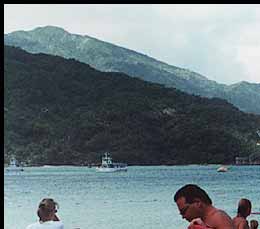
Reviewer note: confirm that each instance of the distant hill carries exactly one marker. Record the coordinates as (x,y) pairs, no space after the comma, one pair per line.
(59,111)
(108,57)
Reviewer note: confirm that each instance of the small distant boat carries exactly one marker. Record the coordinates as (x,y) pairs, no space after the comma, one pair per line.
(13,167)
(222,169)
(108,165)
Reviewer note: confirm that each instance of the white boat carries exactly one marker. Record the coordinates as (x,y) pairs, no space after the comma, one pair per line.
(108,165)
(222,169)
(13,167)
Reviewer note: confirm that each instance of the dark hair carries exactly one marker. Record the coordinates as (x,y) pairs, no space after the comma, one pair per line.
(46,207)
(243,206)
(190,192)
(253,224)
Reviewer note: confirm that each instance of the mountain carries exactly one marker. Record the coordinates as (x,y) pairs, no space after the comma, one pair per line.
(61,111)
(111,58)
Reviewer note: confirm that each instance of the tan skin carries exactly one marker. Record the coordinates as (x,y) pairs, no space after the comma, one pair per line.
(240,222)
(209,215)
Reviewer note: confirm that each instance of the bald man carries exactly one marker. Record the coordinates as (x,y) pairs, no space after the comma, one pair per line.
(243,210)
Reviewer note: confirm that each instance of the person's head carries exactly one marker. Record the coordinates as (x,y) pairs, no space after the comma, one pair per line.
(47,209)
(253,224)
(191,200)
(244,208)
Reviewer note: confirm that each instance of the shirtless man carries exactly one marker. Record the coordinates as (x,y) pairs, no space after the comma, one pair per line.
(243,210)
(196,207)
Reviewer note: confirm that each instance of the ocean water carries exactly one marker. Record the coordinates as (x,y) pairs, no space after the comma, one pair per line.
(142,197)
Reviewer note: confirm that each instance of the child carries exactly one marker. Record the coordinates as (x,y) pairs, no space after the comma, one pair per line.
(253,224)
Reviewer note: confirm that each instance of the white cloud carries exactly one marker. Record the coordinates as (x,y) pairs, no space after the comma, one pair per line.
(249,56)
(218,41)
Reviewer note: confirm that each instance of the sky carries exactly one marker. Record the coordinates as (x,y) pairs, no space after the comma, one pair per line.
(221,42)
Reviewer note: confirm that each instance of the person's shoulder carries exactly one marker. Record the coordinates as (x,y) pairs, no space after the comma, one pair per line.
(33,226)
(29,226)
(222,213)
(58,224)
(52,224)
(243,224)
(237,221)
(220,219)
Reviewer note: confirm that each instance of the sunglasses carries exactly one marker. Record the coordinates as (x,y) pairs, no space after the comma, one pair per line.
(184,210)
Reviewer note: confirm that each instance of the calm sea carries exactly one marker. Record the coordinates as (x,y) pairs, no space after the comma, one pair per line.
(138,198)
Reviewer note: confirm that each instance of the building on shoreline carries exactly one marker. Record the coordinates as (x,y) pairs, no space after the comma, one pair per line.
(241,160)
(252,159)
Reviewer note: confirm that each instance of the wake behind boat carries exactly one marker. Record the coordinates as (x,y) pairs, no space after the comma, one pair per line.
(108,165)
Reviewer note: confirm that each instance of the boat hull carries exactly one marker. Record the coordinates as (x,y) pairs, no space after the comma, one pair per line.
(222,169)
(110,170)
(108,166)
(14,169)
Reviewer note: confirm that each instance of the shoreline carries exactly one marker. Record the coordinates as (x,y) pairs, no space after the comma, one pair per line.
(141,165)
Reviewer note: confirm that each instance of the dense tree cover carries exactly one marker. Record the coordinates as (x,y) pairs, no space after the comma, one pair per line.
(60,111)
(108,57)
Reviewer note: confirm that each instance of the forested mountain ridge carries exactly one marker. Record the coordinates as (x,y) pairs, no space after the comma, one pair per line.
(108,57)
(60,111)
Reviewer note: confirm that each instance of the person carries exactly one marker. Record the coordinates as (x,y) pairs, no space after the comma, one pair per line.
(253,224)
(48,218)
(196,207)
(243,210)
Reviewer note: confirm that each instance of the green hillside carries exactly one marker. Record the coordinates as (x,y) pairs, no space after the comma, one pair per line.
(108,57)
(61,111)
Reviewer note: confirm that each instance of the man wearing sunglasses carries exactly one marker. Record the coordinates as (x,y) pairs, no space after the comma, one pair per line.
(196,207)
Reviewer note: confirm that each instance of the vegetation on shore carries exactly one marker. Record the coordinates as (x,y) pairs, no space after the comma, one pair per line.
(59,111)
(108,57)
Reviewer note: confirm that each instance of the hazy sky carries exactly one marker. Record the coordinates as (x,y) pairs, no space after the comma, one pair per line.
(221,42)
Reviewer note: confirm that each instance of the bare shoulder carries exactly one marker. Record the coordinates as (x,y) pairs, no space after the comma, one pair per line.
(220,220)
(243,225)
(240,222)
(220,214)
